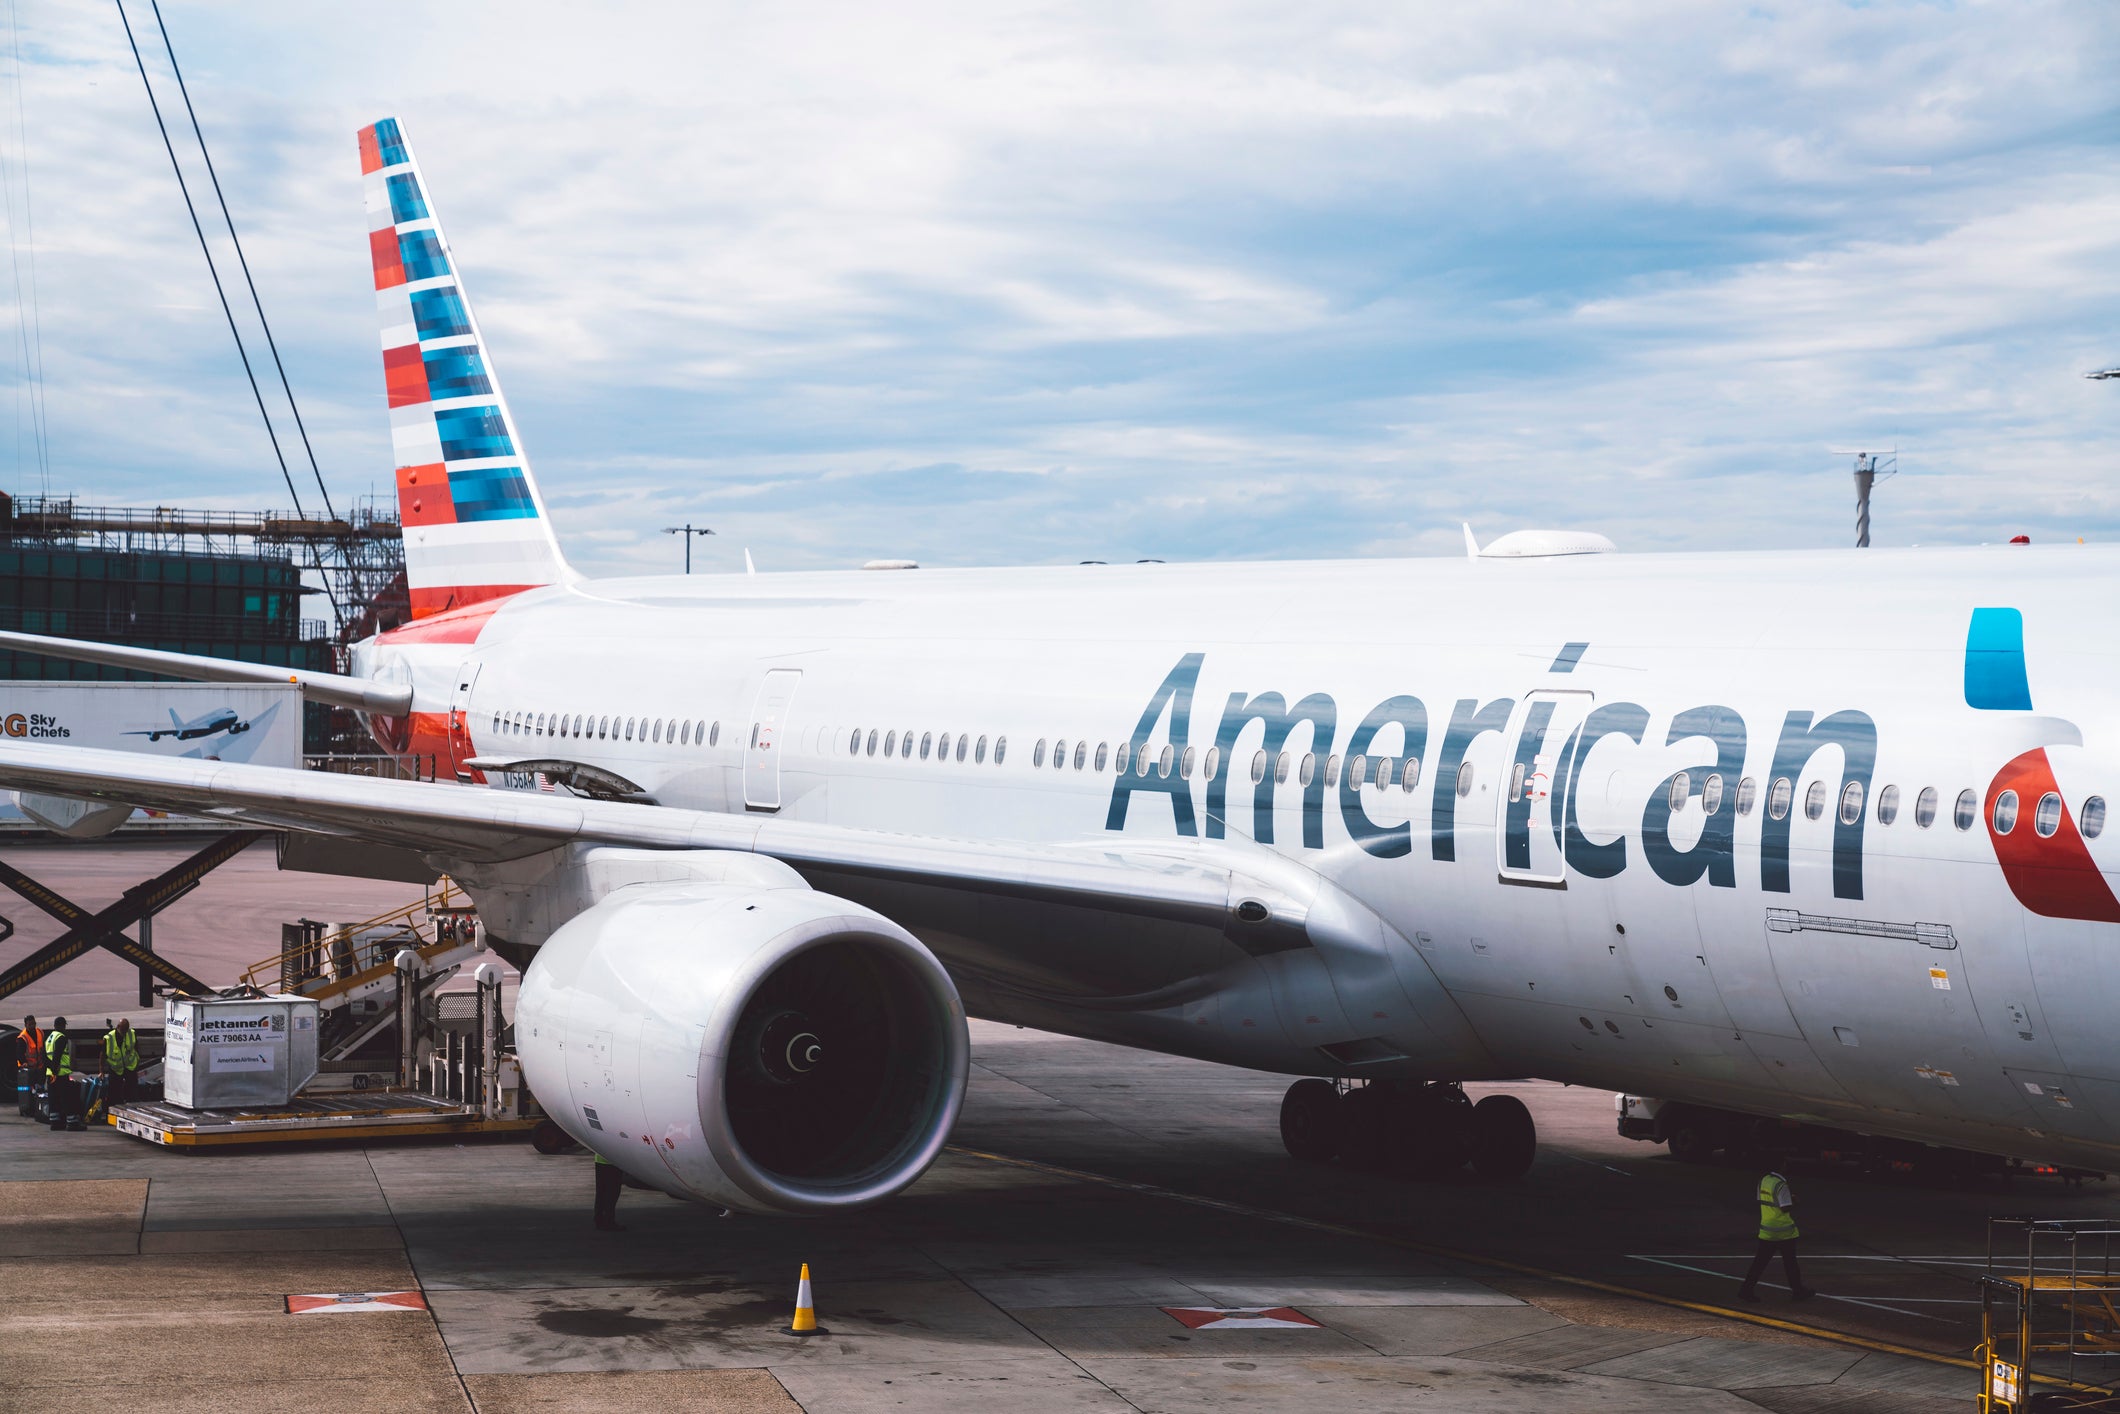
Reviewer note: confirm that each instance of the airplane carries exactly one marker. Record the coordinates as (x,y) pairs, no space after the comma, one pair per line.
(1811,835)
(221,719)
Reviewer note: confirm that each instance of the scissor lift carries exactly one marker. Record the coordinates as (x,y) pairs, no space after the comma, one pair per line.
(366,978)
(2050,1315)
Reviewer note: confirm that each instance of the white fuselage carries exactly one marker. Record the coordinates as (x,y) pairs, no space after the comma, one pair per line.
(1785,953)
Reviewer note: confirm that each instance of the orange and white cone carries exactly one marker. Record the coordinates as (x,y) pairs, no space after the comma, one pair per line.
(805,1322)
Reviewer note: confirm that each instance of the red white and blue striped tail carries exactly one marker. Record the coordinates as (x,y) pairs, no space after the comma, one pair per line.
(475,526)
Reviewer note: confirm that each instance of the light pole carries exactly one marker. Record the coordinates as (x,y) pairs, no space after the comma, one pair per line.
(1870,468)
(688,531)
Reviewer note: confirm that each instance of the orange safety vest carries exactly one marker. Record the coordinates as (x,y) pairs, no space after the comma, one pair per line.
(33,1049)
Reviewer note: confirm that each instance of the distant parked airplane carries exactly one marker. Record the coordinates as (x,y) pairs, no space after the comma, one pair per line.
(221,719)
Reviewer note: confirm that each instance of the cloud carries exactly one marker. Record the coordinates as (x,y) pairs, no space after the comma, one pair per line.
(1034,283)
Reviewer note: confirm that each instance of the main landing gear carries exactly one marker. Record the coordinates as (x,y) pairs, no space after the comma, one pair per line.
(1409,1129)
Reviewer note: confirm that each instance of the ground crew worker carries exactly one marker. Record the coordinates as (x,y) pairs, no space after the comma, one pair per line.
(121,1062)
(609,1179)
(31,1084)
(1777,1233)
(59,1074)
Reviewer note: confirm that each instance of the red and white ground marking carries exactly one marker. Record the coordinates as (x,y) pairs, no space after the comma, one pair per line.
(1243,1318)
(327,1302)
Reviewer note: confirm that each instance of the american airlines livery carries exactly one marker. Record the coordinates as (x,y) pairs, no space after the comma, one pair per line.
(1812,835)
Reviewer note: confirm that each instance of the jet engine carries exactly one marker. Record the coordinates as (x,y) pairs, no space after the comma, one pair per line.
(774,1050)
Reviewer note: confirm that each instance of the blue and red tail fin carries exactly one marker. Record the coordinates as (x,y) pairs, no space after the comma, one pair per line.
(475,526)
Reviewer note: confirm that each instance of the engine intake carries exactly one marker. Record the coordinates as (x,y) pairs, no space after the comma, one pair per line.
(768,1049)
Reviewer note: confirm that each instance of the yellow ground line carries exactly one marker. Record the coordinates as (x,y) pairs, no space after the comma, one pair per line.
(1427,1249)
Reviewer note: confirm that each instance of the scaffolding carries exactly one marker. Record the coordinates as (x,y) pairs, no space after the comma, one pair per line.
(359,557)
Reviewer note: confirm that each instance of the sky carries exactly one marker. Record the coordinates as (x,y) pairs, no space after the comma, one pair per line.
(1014,283)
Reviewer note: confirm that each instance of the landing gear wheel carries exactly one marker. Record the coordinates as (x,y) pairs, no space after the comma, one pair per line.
(1310,1121)
(1434,1132)
(548,1138)
(1689,1143)
(1504,1140)
(1365,1118)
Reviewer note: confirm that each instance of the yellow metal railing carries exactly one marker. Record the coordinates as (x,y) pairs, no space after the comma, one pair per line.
(273,970)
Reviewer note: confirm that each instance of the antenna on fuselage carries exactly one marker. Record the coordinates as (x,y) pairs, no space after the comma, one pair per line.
(1870,468)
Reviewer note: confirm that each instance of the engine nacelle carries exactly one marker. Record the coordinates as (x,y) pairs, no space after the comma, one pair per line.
(775,1050)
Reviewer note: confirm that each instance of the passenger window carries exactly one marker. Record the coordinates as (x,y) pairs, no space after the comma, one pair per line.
(1888,805)
(1038,753)
(2005,812)
(854,743)
(1102,754)
(684,732)
(962,742)
(658,730)
(1059,755)
(1211,764)
(890,743)
(927,744)
(540,724)
(1747,794)
(1464,780)
(1358,770)
(1163,761)
(1185,764)
(1332,771)
(1711,791)
(1779,797)
(979,753)
(942,747)
(1851,803)
(2047,817)
(1681,791)
(714,735)
(1387,767)
(1258,766)
(1967,809)
(1081,754)
(604,731)
(1516,781)
(1308,770)
(1814,801)
(2092,820)
(629,729)
(1120,756)
(1925,807)
(1000,748)
(756,727)
(1412,777)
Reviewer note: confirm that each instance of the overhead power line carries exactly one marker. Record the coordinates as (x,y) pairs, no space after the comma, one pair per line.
(207,251)
(236,241)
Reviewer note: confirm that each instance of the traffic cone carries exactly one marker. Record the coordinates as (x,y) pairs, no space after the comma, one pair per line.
(805,1322)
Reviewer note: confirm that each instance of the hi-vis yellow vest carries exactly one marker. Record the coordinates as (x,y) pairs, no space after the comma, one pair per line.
(1775,1222)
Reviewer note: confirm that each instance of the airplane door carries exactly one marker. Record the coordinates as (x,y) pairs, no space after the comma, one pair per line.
(1888,1011)
(1534,790)
(769,726)
(460,749)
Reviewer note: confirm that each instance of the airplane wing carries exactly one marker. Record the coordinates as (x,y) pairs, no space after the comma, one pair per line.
(1225,884)
(361,694)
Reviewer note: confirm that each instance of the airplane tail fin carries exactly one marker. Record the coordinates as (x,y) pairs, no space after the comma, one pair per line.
(475,526)
(174,719)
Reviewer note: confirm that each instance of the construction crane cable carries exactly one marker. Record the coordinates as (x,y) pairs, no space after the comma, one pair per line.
(236,241)
(207,250)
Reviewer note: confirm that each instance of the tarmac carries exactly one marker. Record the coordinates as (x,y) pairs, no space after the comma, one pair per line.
(1093,1198)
